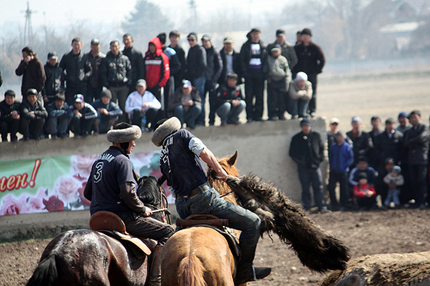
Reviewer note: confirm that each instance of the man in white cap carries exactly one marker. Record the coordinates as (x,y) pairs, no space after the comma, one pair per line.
(112,186)
(181,165)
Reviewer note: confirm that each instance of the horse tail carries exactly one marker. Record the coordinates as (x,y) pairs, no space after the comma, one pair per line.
(190,272)
(45,274)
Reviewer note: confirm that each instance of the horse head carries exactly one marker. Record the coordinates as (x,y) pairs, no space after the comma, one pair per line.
(228,164)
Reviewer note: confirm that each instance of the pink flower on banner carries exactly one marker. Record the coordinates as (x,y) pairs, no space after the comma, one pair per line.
(35,203)
(13,205)
(53,204)
(84,201)
(66,188)
(81,166)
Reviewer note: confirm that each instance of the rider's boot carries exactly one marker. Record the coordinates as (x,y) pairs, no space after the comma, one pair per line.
(245,270)
(155,272)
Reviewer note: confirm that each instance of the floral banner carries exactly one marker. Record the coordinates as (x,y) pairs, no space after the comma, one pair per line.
(57,183)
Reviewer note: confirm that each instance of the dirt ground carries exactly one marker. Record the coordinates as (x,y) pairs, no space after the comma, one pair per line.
(365,233)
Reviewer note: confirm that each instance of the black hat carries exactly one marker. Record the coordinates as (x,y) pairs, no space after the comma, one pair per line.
(107,93)
(363,159)
(307,31)
(280,32)
(255,29)
(232,75)
(52,56)
(362,175)
(60,96)
(95,42)
(305,121)
(31,91)
(389,120)
(206,37)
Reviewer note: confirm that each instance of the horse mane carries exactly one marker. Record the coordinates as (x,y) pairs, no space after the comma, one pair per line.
(228,164)
(191,272)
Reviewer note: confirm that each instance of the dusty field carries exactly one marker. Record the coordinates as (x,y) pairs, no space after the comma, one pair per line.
(365,233)
(395,231)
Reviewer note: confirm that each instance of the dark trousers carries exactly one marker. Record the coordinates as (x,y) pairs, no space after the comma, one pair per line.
(209,89)
(32,129)
(151,115)
(308,177)
(81,126)
(405,191)
(254,88)
(342,179)
(148,227)
(313,102)
(418,175)
(276,98)
(156,91)
(105,123)
(169,89)
(57,126)
(10,126)
(93,93)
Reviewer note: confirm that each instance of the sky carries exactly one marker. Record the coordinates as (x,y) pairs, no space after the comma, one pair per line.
(58,12)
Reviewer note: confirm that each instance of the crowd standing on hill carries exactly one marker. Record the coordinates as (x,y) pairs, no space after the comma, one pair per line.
(87,93)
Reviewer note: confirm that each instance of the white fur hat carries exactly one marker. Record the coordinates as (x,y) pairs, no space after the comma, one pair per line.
(301,76)
(124,135)
(168,127)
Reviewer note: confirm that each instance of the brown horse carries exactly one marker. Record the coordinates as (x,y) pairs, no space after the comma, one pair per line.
(87,257)
(201,256)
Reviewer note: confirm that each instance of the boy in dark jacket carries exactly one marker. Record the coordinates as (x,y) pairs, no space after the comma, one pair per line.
(83,118)
(33,116)
(107,113)
(307,150)
(229,101)
(9,116)
(58,117)
(54,79)
(340,159)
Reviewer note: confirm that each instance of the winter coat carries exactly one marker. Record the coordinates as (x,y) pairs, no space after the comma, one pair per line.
(224,94)
(307,150)
(341,157)
(94,80)
(111,107)
(54,81)
(287,51)
(360,144)
(33,75)
(37,109)
(214,65)
(6,110)
(416,142)
(87,111)
(277,68)
(174,63)
(236,66)
(246,56)
(62,112)
(156,65)
(196,62)
(311,59)
(386,147)
(359,190)
(135,101)
(296,93)
(116,70)
(77,70)
(137,66)
(176,99)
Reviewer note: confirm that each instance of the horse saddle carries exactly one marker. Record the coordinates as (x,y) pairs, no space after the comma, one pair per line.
(213,222)
(112,225)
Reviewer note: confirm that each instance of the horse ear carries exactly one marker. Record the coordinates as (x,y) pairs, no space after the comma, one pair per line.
(232,159)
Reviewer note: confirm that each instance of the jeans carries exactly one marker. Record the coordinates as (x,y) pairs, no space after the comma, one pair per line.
(105,122)
(342,178)
(199,84)
(298,107)
(209,202)
(308,176)
(228,113)
(393,195)
(57,126)
(188,117)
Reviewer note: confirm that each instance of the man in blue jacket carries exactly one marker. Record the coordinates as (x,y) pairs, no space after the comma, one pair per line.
(341,157)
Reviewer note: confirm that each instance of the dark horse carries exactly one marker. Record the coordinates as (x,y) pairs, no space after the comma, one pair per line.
(87,257)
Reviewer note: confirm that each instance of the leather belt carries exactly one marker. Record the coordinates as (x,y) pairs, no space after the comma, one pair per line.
(195,192)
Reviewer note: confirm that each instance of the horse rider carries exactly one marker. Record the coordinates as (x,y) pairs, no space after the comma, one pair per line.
(112,187)
(181,165)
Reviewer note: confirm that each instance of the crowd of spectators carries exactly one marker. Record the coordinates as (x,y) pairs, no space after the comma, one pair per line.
(87,93)
(388,163)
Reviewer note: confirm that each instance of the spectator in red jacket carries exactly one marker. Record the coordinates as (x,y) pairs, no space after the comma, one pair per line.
(364,193)
(157,68)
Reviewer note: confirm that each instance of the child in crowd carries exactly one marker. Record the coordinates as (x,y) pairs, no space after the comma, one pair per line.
(394,180)
(364,193)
